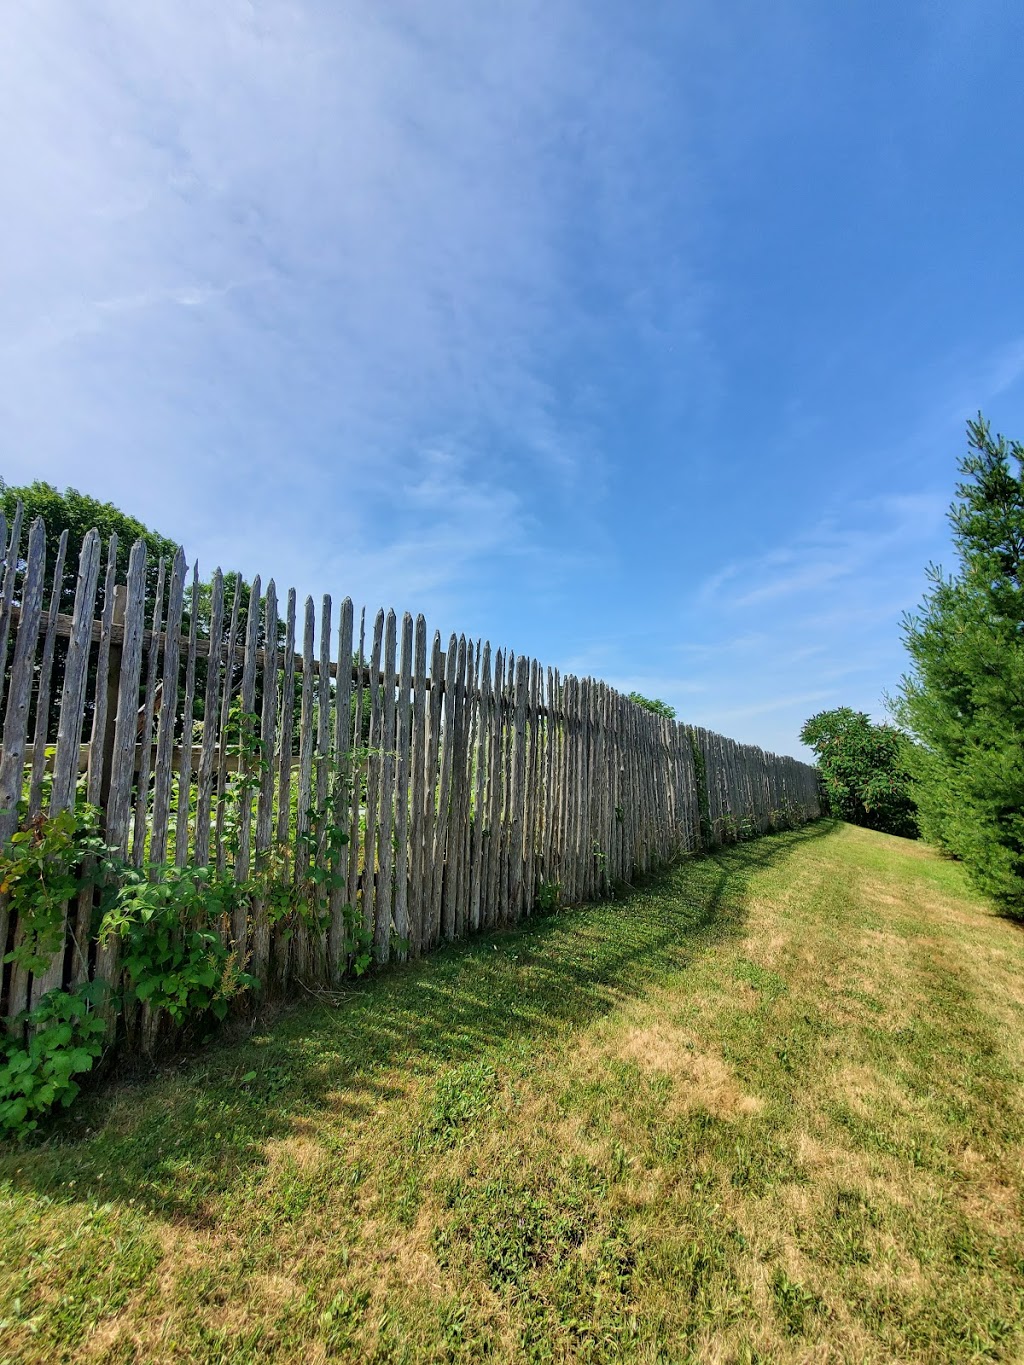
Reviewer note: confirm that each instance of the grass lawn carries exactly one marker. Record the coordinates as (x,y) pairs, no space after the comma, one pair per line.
(768,1108)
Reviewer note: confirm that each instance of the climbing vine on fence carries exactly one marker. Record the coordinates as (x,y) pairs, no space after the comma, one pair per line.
(49,860)
(701,778)
(176,951)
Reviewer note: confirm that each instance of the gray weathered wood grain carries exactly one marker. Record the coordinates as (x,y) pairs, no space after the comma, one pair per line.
(12,763)
(182,822)
(259,929)
(358,777)
(431,780)
(418,898)
(224,743)
(35,799)
(481,728)
(343,797)
(443,862)
(19,697)
(402,799)
(250,750)
(373,768)
(72,702)
(492,857)
(11,553)
(144,726)
(302,943)
(385,847)
(211,714)
(105,696)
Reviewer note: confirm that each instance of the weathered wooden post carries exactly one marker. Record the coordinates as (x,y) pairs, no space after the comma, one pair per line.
(113,684)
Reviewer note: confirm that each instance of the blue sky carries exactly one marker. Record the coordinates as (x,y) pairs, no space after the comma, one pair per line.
(639,338)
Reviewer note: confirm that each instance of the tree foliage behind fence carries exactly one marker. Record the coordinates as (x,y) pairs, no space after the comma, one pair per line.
(226,728)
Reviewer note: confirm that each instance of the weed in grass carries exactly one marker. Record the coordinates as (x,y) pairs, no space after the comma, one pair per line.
(795,1304)
(768,984)
(339,1321)
(461,1096)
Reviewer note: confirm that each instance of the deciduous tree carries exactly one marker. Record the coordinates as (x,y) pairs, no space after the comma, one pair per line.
(864,770)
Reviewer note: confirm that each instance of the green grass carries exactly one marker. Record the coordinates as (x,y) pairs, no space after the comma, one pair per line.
(767,1108)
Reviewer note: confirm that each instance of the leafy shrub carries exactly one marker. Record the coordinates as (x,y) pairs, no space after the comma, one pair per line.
(864,768)
(173,924)
(549,897)
(654,705)
(50,1046)
(48,860)
(176,950)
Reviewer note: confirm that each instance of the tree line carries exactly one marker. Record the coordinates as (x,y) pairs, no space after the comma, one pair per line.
(951,766)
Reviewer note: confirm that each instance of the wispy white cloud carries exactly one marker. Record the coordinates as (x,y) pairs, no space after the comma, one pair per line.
(840,548)
(330,242)
(976,381)
(761,708)
(80,319)
(1007,370)
(821,612)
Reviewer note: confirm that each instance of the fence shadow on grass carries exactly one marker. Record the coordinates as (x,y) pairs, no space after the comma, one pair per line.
(175,1143)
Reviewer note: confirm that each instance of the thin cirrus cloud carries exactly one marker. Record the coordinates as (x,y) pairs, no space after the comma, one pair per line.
(831,555)
(834,595)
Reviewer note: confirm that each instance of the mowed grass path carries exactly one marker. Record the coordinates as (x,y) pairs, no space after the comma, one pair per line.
(768,1108)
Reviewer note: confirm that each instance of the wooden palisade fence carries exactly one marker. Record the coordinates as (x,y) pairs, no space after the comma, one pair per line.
(481,781)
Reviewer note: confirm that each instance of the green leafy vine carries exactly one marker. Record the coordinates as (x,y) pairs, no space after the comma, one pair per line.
(49,860)
(47,1050)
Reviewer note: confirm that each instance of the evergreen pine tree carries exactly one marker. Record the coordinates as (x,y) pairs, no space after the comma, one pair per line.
(963,698)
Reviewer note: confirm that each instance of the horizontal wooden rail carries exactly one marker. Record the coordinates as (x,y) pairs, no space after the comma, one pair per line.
(363,676)
(230,760)
(63,628)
